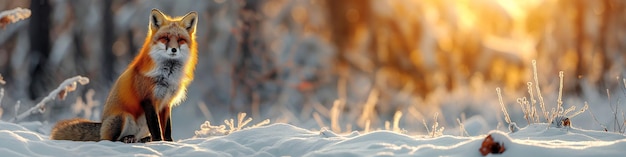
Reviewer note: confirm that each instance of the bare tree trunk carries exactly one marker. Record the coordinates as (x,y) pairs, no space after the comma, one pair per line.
(108,61)
(249,65)
(132,48)
(39,33)
(579,24)
(607,15)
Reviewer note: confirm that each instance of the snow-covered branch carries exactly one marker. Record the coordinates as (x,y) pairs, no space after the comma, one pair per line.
(67,86)
(12,16)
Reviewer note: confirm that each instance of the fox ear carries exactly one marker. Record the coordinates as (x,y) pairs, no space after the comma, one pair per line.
(156,19)
(190,21)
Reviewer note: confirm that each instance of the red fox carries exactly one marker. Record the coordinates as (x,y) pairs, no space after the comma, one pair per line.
(140,102)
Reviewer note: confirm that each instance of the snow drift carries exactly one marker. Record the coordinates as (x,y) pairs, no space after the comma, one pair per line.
(281,139)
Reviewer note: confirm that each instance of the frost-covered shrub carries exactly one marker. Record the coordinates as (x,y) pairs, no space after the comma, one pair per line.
(208,130)
(557,116)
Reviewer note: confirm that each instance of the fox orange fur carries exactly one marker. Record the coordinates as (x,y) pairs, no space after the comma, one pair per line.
(139,104)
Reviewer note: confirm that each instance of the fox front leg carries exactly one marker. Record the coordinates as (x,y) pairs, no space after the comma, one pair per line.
(152,119)
(166,123)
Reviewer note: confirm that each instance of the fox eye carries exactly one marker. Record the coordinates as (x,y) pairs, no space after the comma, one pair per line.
(164,39)
(181,41)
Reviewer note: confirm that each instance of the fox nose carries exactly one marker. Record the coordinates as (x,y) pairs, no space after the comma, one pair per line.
(173,49)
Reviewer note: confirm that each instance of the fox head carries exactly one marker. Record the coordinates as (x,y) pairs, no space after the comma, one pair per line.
(172,37)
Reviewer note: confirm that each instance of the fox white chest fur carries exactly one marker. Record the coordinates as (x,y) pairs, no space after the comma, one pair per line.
(169,70)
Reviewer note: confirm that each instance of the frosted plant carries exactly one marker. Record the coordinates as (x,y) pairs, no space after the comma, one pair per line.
(512,125)
(462,130)
(539,96)
(335,112)
(527,109)
(618,125)
(434,130)
(208,130)
(557,117)
(396,122)
(367,126)
(560,117)
(534,115)
(563,117)
(559,103)
(596,120)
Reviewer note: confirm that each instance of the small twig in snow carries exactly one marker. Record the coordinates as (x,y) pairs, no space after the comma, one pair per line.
(396,121)
(506,114)
(264,122)
(2,82)
(462,130)
(539,96)
(596,120)
(16,107)
(1,96)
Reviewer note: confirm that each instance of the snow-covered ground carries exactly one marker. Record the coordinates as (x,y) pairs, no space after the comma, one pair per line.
(281,139)
(301,57)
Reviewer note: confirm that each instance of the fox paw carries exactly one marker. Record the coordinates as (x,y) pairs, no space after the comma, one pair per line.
(145,139)
(129,139)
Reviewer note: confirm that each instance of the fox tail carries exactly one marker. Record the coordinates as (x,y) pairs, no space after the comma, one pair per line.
(76,130)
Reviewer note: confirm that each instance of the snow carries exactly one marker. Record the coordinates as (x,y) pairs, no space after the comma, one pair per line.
(280,139)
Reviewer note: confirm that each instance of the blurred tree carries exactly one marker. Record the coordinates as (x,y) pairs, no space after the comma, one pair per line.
(252,67)
(39,33)
(108,38)
(597,42)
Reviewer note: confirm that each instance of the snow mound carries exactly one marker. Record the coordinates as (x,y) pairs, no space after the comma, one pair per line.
(288,140)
